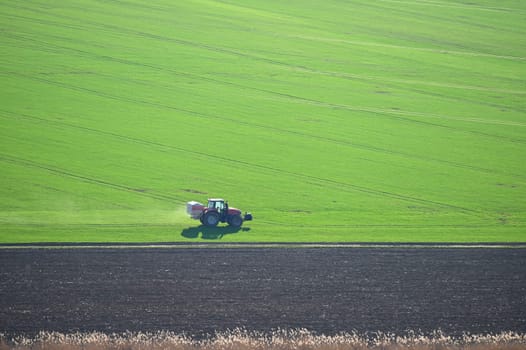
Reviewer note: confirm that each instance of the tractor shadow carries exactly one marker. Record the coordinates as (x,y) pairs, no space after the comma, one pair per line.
(211,232)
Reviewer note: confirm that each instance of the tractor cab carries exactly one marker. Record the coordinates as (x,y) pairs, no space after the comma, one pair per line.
(218,204)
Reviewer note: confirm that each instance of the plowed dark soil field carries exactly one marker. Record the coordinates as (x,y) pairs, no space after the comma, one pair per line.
(200,291)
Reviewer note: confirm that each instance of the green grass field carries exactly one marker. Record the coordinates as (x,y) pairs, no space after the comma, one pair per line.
(388,120)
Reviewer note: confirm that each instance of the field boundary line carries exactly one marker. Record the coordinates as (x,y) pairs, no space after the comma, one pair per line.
(262,245)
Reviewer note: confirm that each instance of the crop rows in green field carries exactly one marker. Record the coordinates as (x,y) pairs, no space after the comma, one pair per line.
(329,121)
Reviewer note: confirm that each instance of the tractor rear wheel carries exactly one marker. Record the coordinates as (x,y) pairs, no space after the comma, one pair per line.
(235,221)
(211,219)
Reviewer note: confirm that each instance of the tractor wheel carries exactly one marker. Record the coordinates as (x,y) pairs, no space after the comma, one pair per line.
(235,221)
(211,218)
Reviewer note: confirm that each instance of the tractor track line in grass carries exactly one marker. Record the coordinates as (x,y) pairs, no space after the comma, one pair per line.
(408,115)
(72,194)
(126,31)
(46,47)
(4,113)
(346,143)
(84,178)
(295,98)
(471,6)
(296,68)
(239,162)
(339,184)
(408,85)
(380,111)
(391,113)
(363,78)
(122,30)
(279,63)
(274,129)
(433,17)
(288,15)
(411,86)
(398,114)
(417,82)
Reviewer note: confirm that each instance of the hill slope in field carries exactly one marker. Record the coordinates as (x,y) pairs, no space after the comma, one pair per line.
(330,121)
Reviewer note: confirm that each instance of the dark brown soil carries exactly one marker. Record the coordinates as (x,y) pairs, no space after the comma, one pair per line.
(200,291)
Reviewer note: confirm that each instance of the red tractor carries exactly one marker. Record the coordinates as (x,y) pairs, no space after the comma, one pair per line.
(216,211)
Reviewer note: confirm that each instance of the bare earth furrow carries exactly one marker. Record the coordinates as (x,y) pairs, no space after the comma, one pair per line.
(200,291)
